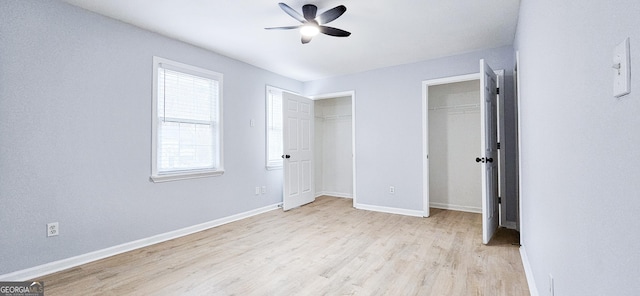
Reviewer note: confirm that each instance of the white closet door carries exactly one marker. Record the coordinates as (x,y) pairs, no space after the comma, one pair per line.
(489,148)
(298,132)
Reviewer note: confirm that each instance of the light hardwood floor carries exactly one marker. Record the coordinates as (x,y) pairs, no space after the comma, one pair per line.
(324,248)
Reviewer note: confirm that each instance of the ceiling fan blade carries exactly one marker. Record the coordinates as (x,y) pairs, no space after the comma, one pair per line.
(309,11)
(331,14)
(333,31)
(306,39)
(282,28)
(290,11)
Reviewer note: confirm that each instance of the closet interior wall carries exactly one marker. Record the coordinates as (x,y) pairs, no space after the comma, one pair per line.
(333,151)
(454,143)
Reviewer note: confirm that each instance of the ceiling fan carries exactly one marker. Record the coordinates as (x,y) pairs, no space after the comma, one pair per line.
(312,24)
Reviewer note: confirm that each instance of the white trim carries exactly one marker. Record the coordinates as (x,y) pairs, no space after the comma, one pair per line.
(502,193)
(533,290)
(334,194)
(353,144)
(270,164)
(184,176)
(156,175)
(348,93)
(452,79)
(48,268)
(518,86)
(389,210)
(425,149)
(455,207)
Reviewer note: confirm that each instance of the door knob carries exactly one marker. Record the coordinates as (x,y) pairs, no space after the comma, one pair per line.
(478,159)
(286,156)
(489,159)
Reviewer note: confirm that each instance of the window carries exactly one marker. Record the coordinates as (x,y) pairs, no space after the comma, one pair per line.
(274,128)
(187,122)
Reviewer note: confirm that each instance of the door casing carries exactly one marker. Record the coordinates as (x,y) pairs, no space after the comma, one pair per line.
(425,133)
(351,94)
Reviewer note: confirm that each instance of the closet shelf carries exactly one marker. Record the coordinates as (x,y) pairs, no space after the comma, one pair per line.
(333,117)
(456,107)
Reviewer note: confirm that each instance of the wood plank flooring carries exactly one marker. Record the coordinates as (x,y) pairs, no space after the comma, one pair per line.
(324,248)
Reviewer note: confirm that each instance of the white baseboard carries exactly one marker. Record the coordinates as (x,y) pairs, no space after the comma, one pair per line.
(48,268)
(334,194)
(389,210)
(528,272)
(455,207)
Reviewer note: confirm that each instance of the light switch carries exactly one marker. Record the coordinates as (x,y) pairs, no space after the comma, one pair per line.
(252,123)
(621,69)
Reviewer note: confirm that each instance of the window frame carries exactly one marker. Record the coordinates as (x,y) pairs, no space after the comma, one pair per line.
(156,175)
(271,164)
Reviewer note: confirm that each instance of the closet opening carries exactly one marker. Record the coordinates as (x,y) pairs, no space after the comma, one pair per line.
(334,145)
(454,138)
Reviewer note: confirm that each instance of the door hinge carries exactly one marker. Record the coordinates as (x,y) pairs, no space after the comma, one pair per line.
(497,91)
(499,200)
(498,145)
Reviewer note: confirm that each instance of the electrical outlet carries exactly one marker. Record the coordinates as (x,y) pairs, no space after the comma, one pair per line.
(53,229)
(551,289)
(264,189)
(257,190)
(392,190)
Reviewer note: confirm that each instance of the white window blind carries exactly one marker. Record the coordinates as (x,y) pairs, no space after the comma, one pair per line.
(187,120)
(274,128)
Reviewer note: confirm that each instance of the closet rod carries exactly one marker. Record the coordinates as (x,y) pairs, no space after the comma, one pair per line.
(330,117)
(464,106)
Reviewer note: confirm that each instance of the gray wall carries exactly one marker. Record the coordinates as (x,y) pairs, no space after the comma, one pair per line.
(388,110)
(75,126)
(580,146)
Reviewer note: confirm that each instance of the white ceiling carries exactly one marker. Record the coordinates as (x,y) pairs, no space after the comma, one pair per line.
(384,32)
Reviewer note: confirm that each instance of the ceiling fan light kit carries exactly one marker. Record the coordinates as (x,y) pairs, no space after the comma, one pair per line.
(313,24)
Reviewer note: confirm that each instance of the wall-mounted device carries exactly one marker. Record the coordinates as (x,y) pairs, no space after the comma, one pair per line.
(621,69)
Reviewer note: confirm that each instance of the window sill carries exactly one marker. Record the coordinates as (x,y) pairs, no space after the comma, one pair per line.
(185,176)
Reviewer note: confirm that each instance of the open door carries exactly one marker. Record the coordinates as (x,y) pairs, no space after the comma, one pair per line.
(489,148)
(298,151)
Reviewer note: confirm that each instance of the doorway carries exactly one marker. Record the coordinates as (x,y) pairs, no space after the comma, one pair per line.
(332,170)
(454,138)
(450,184)
(335,145)
(333,151)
